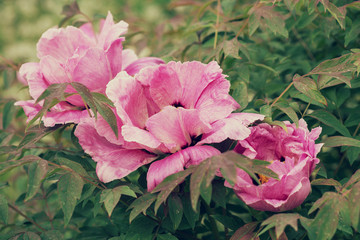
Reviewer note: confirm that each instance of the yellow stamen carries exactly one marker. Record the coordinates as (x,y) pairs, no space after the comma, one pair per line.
(263,179)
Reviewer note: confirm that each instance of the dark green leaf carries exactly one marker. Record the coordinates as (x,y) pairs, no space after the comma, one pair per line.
(166,237)
(8,113)
(74,166)
(107,113)
(36,172)
(52,235)
(140,205)
(330,120)
(191,215)
(240,94)
(175,210)
(4,209)
(140,229)
(35,133)
(69,191)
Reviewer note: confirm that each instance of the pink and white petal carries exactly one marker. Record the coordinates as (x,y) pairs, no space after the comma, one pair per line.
(31,72)
(53,70)
(93,70)
(113,55)
(111,31)
(175,127)
(129,100)
(61,43)
(103,129)
(137,65)
(165,85)
(143,137)
(128,56)
(176,162)
(214,102)
(29,108)
(69,116)
(88,29)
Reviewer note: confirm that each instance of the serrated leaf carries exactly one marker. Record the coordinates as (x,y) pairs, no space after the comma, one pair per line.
(280,221)
(168,185)
(337,141)
(175,210)
(308,87)
(69,191)
(245,232)
(36,173)
(8,113)
(4,209)
(330,120)
(141,204)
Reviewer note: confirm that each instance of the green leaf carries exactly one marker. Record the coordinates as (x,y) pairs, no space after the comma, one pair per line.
(36,133)
(254,23)
(107,113)
(9,165)
(4,209)
(191,215)
(353,33)
(308,87)
(99,97)
(86,95)
(337,141)
(36,172)
(280,221)
(330,120)
(338,13)
(231,48)
(289,111)
(206,192)
(8,113)
(166,237)
(326,182)
(168,185)
(219,194)
(141,229)
(175,210)
(72,165)
(110,197)
(52,235)
(71,10)
(69,191)
(245,232)
(354,206)
(240,94)
(140,205)
(30,236)
(354,178)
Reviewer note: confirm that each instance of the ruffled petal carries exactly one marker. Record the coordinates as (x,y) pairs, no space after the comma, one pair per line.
(113,161)
(32,74)
(130,102)
(176,162)
(233,127)
(62,43)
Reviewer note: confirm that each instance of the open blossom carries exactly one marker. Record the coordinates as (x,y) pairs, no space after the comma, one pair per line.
(170,110)
(78,55)
(292,154)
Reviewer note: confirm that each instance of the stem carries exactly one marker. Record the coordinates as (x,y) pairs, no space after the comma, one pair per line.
(307,107)
(217,22)
(242,28)
(213,225)
(286,89)
(8,62)
(356,130)
(13,207)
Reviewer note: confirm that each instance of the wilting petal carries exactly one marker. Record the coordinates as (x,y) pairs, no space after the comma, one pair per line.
(31,72)
(62,43)
(137,65)
(130,102)
(233,127)
(113,161)
(93,70)
(176,162)
(111,31)
(175,127)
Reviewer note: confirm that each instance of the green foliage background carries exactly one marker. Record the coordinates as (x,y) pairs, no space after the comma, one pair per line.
(267,48)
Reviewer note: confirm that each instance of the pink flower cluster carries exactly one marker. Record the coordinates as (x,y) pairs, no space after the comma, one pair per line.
(170,113)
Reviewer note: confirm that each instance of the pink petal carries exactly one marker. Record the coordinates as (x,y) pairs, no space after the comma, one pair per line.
(93,70)
(88,29)
(174,163)
(128,56)
(114,162)
(53,70)
(31,72)
(62,43)
(130,102)
(104,130)
(113,55)
(137,65)
(143,137)
(110,31)
(175,127)
(233,127)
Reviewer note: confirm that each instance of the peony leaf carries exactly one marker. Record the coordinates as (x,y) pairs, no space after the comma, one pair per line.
(36,133)
(4,209)
(280,221)
(107,113)
(69,191)
(86,95)
(240,94)
(338,13)
(9,165)
(8,113)
(245,232)
(141,204)
(326,182)
(111,197)
(36,172)
(330,120)
(289,111)
(190,214)
(354,178)
(337,141)
(99,97)
(354,206)
(52,235)
(308,87)
(231,48)
(175,210)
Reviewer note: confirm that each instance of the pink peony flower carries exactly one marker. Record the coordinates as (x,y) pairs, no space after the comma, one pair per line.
(170,110)
(292,154)
(78,55)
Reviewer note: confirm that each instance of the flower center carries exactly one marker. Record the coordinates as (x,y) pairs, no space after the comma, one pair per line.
(177,104)
(262,179)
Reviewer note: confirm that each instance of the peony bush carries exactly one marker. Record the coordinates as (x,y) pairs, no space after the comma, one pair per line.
(240,125)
